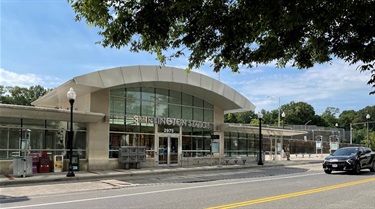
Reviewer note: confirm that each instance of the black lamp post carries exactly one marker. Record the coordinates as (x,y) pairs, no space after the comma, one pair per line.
(368,140)
(282,136)
(260,162)
(71,96)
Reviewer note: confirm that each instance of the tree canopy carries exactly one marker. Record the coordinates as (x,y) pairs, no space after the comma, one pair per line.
(21,95)
(231,34)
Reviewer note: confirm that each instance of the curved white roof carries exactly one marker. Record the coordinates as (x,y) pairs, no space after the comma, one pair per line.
(199,85)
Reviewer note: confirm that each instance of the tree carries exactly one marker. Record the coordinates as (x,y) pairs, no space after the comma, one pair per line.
(231,33)
(329,115)
(230,118)
(297,113)
(318,121)
(21,95)
(242,117)
(246,117)
(345,118)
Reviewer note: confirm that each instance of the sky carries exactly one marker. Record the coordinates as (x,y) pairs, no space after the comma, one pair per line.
(42,44)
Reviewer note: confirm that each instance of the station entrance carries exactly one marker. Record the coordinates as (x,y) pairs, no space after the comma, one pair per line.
(168,150)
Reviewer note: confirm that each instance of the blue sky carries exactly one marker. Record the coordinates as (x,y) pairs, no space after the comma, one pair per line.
(41,44)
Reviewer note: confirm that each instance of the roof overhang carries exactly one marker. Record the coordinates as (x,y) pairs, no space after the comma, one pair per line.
(199,85)
(18,111)
(264,130)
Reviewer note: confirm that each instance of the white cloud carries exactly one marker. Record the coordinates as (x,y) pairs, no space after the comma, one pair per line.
(338,85)
(8,78)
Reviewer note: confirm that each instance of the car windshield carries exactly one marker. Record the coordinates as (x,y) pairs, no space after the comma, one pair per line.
(345,152)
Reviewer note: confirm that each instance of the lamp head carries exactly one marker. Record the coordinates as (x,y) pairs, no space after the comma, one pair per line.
(260,115)
(71,94)
(368,116)
(283,115)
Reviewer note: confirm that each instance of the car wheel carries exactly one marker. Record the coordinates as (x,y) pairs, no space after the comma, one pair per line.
(357,168)
(328,171)
(372,168)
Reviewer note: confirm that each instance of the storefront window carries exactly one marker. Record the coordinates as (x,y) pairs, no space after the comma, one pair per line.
(147,108)
(162,96)
(198,114)
(239,144)
(133,107)
(187,113)
(37,136)
(117,106)
(174,111)
(133,93)
(187,99)
(161,110)
(148,94)
(160,103)
(175,97)
(120,92)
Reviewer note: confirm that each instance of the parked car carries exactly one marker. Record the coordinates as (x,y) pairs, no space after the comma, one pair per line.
(352,159)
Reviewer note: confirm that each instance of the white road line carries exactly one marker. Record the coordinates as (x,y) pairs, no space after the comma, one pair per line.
(161,191)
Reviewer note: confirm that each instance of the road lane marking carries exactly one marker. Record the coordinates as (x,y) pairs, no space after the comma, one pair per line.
(158,191)
(290,195)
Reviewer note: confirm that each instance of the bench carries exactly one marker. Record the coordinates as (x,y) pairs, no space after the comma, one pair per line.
(303,155)
(235,160)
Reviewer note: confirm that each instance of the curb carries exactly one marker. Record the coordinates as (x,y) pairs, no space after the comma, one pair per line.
(93,175)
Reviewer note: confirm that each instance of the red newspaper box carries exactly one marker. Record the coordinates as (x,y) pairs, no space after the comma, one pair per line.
(44,163)
(35,161)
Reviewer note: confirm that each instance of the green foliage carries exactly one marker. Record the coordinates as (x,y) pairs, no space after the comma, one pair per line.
(21,95)
(238,33)
(243,117)
(345,118)
(329,115)
(318,121)
(297,113)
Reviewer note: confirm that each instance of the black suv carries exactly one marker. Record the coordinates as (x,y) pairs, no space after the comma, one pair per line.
(350,159)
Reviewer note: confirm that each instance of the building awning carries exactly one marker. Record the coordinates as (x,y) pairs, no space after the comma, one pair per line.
(266,131)
(18,111)
(199,85)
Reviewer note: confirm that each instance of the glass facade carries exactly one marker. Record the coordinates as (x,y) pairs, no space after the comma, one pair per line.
(135,113)
(19,137)
(240,144)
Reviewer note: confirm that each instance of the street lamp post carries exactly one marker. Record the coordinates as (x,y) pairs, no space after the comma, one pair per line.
(282,136)
(307,123)
(368,140)
(260,162)
(71,96)
(351,134)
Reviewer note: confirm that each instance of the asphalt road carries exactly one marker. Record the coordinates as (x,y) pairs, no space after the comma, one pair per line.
(262,188)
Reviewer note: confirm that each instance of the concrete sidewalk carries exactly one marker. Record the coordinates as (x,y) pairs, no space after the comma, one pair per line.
(106,174)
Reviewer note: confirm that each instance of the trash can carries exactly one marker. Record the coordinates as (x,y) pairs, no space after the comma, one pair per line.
(23,166)
(75,162)
(58,161)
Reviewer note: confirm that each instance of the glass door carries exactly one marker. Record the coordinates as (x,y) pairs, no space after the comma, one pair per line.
(163,150)
(173,157)
(168,150)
